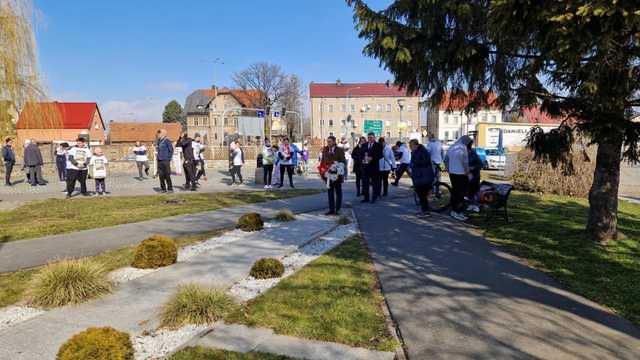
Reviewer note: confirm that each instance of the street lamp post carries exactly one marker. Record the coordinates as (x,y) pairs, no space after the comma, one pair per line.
(401,124)
(348,118)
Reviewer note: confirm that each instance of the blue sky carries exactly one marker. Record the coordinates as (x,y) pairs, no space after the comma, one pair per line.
(133,56)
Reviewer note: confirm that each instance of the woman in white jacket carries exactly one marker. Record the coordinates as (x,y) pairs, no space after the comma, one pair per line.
(387,164)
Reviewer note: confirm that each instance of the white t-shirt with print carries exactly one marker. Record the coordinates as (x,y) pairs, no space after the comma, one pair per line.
(80,155)
(141,158)
(237,157)
(99,166)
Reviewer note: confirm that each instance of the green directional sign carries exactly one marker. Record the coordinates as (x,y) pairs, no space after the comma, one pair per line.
(374,126)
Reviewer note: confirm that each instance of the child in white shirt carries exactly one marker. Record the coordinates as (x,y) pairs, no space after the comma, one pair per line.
(98,169)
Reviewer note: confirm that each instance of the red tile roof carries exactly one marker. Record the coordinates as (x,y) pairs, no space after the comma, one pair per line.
(58,115)
(139,131)
(536,116)
(335,90)
(247,98)
(449,102)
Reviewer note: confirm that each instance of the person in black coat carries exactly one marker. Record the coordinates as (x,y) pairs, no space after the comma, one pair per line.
(422,174)
(9,157)
(358,156)
(33,161)
(371,167)
(189,163)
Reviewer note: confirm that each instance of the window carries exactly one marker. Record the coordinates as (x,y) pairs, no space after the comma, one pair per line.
(353,108)
(226,121)
(388,107)
(344,122)
(343,108)
(330,108)
(321,122)
(379,107)
(195,122)
(388,135)
(330,134)
(366,107)
(484,117)
(330,122)
(409,108)
(494,118)
(456,120)
(455,135)
(446,135)
(446,119)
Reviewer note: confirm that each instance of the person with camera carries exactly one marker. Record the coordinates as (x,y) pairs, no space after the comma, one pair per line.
(189,161)
(288,155)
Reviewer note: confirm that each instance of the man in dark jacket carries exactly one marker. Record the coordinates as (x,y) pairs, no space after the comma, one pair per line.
(358,157)
(330,154)
(421,174)
(9,157)
(33,160)
(371,167)
(189,161)
(164,156)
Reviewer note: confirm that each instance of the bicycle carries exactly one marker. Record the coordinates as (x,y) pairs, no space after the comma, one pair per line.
(440,195)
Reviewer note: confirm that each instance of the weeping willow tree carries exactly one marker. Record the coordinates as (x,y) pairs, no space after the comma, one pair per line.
(20,84)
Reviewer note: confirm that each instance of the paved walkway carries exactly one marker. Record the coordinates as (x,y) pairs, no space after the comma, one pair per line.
(240,338)
(455,296)
(134,307)
(29,253)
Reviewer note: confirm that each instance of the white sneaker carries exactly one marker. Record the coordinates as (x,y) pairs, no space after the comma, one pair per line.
(458,216)
(266,186)
(473,208)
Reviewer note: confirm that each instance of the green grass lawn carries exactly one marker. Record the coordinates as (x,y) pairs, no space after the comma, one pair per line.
(548,231)
(55,216)
(200,353)
(334,298)
(14,284)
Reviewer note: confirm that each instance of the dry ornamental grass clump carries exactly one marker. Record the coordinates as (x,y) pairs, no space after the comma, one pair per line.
(250,222)
(68,282)
(267,268)
(154,252)
(97,344)
(285,215)
(196,304)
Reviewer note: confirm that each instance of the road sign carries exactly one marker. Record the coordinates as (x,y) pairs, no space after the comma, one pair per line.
(276,114)
(260,113)
(374,126)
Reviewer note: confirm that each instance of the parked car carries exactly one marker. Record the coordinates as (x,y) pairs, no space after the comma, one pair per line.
(483,157)
(495,159)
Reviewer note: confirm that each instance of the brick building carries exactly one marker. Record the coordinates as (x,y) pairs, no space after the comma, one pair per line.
(57,122)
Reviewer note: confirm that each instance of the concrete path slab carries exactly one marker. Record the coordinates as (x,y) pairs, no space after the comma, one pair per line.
(135,305)
(456,296)
(23,254)
(240,338)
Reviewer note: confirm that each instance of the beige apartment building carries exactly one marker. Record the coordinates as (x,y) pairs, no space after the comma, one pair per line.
(205,108)
(351,110)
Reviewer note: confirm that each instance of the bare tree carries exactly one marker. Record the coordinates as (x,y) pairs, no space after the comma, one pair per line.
(265,77)
(292,99)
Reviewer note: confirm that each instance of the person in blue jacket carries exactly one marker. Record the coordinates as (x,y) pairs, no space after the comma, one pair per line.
(164,156)
(9,157)
(421,174)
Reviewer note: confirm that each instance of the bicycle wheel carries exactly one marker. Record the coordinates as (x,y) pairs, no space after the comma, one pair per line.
(440,197)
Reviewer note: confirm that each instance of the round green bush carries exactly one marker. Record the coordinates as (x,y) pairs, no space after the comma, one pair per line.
(267,268)
(250,222)
(154,252)
(97,344)
(68,282)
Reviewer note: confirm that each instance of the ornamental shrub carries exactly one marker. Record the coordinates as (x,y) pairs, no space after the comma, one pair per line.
(285,215)
(267,268)
(250,222)
(154,252)
(68,282)
(97,344)
(196,304)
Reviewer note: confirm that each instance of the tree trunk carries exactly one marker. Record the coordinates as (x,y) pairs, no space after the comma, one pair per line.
(603,196)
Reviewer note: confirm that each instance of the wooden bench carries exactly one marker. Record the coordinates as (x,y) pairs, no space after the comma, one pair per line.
(502,199)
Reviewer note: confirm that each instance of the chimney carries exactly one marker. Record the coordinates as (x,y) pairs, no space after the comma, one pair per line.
(338,82)
(215,90)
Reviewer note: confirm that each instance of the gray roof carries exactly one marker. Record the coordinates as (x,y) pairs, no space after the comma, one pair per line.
(198,102)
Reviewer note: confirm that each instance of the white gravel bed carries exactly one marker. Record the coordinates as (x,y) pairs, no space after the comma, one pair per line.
(12,315)
(251,287)
(161,343)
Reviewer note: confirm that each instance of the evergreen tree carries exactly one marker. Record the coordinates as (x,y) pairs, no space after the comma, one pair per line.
(173,113)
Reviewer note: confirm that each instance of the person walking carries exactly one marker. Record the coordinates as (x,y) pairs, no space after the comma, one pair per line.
(288,156)
(421,175)
(9,158)
(164,156)
(78,158)
(98,170)
(189,162)
(61,160)
(33,161)
(457,163)
(387,165)
(357,155)
(371,168)
(436,151)
(330,155)
(142,159)
(198,154)
(268,159)
(237,160)
(404,159)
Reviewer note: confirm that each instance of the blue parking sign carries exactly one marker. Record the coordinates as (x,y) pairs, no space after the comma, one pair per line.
(276,114)
(260,113)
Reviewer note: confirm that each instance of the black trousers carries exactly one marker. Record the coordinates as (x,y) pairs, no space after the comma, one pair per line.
(423,195)
(164,174)
(61,165)
(474,187)
(359,189)
(384,182)
(267,173)
(236,170)
(189,167)
(74,175)
(8,168)
(335,195)
(403,168)
(370,179)
(289,170)
(460,187)
(201,169)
